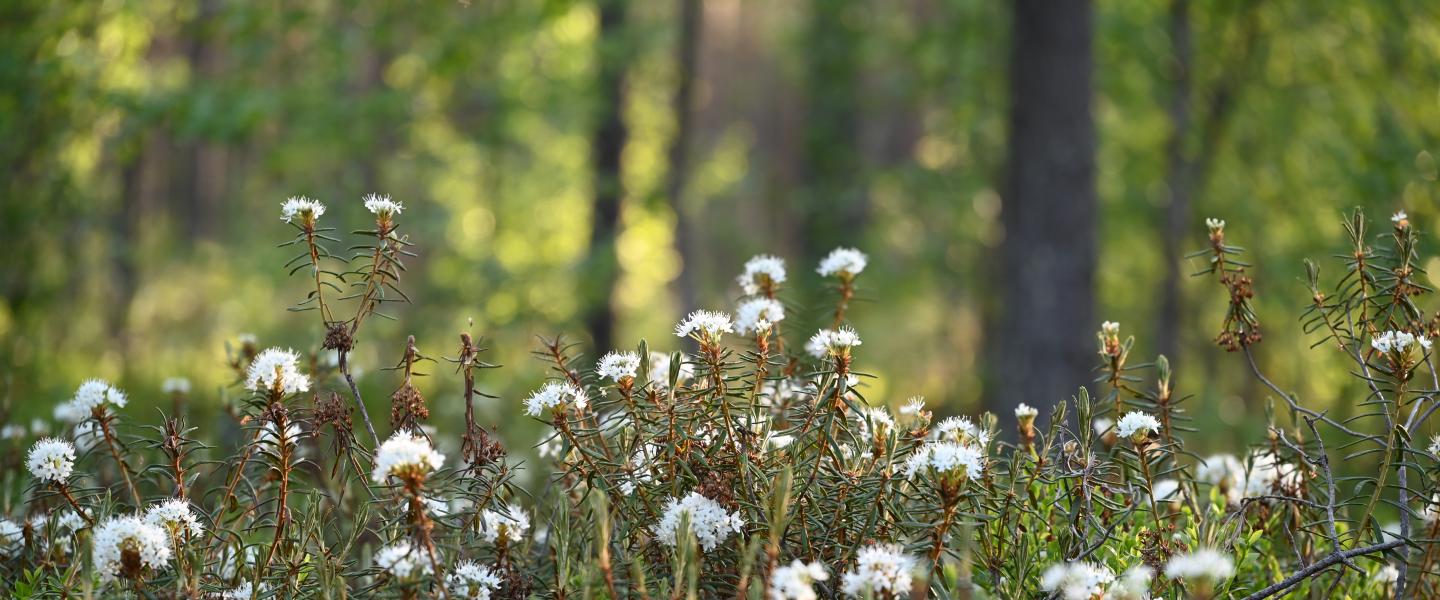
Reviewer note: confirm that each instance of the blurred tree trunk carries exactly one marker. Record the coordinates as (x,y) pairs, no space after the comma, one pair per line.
(205,162)
(1044,346)
(687,48)
(833,209)
(606,146)
(1179,170)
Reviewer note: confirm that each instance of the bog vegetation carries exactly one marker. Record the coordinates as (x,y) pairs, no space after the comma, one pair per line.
(752,465)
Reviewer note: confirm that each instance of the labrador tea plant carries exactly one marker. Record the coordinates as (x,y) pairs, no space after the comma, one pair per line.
(754,466)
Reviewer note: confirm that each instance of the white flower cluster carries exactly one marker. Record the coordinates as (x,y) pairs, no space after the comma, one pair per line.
(1399,342)
(12,431)
(129,540)
(1025,411)
(832,341)
(510,525)
(845,262)
(51,460)
(93,394)
(946,458)
(708,521)
(1399,217)
(796,581)
(1386,576)
(12,538)
(405,455)
(88,435)
(403,561)
(269,437)
(659,371)
(56,530)
(757,314)
(960,430)
(1136,425)
(880,569)
(1204,564)
(244,591)
(618,365)
(175,385)
(276,370)
(1214,224)
(300,206)
(555,396)
(175,516)
(760,269)
(705,325)
(382,205)
(1079,580)
(472,581)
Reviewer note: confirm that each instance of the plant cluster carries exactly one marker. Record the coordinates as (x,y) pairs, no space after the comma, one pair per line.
(753,465)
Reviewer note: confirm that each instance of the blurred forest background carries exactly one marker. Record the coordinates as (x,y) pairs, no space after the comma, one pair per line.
(1018,172)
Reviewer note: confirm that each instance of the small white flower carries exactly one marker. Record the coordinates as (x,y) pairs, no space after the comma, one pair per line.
(129,540)
(761,270)
(175,385)
(1435,444)
(244,591)
(1399,216)
(618,365)
(403,561)
(382,206)
(1204,564)
(229,563)
(1165,490)
(659,370)
(268,439)
(705,325)
(88,435)
(472,581)
(1076,580)
(300,206)
(12,538)
(961,430)
(1400,342)
(1215,224)
(796,581)
(92,395)
(1386,576)
(1135,425)
(510,524)
(175,516)
(39,427)
(945,458)
(405,455)
(1134,584)
(555,396)
(880,569)
(757,314)
(708,521)
(12,431)
(1101,425)
(276,370)
(832,341)
(875,422)
(1025,411)
(845,262)
(68,412)
(778,440)
(51,460)
(913,406)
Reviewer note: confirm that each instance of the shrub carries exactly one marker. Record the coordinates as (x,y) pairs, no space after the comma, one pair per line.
(754,466)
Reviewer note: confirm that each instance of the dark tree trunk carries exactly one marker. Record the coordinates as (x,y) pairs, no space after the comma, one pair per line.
(687,49)
(605,149)
(835,210)
(1044,345)
(1179,168)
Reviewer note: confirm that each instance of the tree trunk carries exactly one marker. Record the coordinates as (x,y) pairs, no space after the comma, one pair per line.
(605,149)
(691,15)
(1179,171)
(1044,346)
